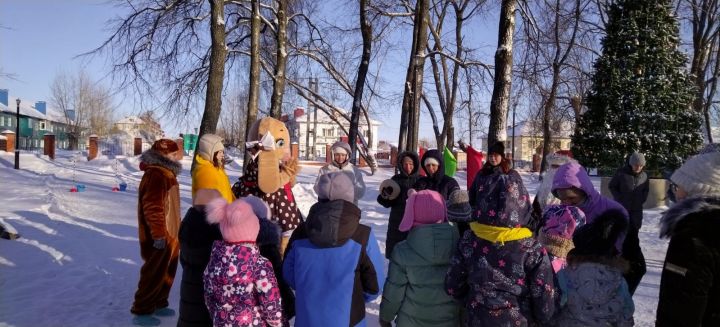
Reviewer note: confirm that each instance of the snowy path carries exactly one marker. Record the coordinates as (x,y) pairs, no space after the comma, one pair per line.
(77,261)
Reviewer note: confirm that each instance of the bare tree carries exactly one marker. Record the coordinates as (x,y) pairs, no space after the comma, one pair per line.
(232,124)
(366,31)
(412,95)
(705,68)
(503,73)
(281,56)
(87,105)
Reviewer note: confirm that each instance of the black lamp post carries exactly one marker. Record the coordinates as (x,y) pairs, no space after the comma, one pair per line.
(17,135)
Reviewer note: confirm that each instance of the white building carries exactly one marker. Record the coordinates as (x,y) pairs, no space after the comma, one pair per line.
(135,126)
(529,139)
(328,132)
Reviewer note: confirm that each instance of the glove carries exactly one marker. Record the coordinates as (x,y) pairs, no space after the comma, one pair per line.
(159,244)
(384,323)
(386,192)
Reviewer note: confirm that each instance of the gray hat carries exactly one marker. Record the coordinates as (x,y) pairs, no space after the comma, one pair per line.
(458,207)
(637,159)
(335,186)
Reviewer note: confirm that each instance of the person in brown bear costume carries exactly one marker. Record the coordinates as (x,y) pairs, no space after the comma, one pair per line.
(158,225)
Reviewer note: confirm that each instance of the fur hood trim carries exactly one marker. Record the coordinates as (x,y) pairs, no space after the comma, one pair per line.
(154,158)
(687,207)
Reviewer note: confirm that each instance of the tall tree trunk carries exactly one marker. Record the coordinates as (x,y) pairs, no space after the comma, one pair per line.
(410,115)
(252,108)
(503,74)
(366,30)
(216,76)
(280,60)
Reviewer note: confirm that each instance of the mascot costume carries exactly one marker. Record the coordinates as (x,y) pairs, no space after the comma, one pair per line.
(270,174)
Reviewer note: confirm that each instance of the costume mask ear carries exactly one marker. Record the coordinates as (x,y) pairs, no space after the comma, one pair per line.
(269,160)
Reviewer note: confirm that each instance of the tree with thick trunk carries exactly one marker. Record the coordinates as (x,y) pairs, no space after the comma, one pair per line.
(254,83)
(497,130)
(280,60)
(366,30)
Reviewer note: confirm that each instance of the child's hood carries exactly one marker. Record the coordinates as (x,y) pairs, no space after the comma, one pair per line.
(332,223)
(595,283)
(435,242)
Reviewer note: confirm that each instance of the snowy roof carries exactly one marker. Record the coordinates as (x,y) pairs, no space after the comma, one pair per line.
(134,120)
(27,108)
(2,137)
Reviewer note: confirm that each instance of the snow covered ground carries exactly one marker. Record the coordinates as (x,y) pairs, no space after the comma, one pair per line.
(78,260)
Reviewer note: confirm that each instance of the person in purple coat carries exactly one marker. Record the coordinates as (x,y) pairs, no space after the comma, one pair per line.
(573,186)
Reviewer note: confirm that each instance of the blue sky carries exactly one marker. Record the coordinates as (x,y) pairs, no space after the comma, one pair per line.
(40,38)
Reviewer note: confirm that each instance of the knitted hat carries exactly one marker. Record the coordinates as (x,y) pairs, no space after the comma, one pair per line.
(598,238)
(208,145)
(340,147)
(699,175)
(394,189)
(335,186)
(423,208)
(498,147)
(237,221)
(637,159)
(562,220)
(458,207)
(431,161)
(165,146)
(259,207)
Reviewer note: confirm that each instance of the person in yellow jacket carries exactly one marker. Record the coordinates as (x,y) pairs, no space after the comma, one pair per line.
(209,171)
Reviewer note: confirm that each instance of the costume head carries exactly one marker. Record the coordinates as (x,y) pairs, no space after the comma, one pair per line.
(275,138)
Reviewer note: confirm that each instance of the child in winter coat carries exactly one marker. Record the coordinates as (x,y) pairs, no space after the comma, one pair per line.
(593,290)
(332,261)
(558,227)
(240,285)
(500,272)
(414,291)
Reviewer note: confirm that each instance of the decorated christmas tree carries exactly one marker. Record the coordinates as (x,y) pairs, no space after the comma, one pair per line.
(641,94)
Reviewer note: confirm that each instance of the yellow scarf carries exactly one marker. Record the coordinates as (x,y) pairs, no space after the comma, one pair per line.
(499,234)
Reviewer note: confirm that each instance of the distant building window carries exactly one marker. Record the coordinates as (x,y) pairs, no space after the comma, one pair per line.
(42,125)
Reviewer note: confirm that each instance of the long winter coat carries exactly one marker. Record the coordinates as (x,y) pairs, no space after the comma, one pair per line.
(631,191)
(594,294)
(206,175)
(690,284)
(414,290)
(240,287)
(397,205)
(349,168)
(438,182)
(503,278)
(196,240)
(334,265)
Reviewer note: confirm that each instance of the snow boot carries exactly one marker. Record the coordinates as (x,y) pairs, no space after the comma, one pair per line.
(164,312)
(145,320)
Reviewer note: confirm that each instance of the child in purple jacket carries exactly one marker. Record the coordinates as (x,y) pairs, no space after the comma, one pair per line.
(240,286)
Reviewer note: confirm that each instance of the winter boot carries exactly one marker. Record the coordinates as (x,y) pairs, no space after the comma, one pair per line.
(164,312)
(145,320)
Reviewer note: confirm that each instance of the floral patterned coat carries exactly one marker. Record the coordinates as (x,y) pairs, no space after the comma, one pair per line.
(240,287)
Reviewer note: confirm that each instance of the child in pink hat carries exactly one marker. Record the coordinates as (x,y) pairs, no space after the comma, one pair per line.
(408,298)
(240,285)
(557,232)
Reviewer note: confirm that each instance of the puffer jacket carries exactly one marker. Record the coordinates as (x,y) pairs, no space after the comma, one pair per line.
(414,290)
(206,175)
(594,294)
(397,205)
(331,263)
(690,284)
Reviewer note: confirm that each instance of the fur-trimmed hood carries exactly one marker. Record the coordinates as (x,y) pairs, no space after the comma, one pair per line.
(154,158)
(687,209)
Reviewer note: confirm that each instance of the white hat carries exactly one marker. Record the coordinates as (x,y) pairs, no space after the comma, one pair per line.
(700,175)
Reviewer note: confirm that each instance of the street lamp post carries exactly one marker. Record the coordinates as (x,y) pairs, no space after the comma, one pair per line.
(17,135)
